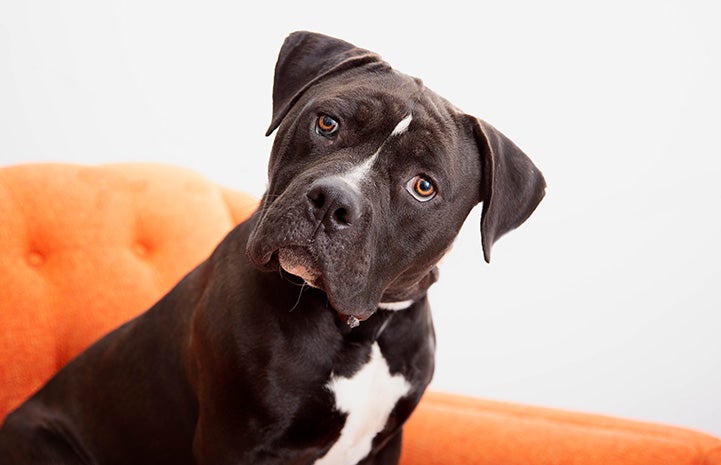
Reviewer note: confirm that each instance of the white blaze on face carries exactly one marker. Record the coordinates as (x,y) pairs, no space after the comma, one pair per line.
(402,126)
(358,173)
(355,176)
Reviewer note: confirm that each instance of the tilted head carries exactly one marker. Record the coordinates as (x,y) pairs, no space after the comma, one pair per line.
(372,175)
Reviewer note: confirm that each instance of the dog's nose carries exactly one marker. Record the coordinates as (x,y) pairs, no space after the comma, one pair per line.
(334,203)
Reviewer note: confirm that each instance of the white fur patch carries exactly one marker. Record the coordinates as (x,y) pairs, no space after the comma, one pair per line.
(402,126)
(367,397)
(402,305)
(355,176)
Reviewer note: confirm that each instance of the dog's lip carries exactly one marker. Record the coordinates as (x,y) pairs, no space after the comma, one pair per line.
(261,258)
(265,254)
(349,317)
(298,261)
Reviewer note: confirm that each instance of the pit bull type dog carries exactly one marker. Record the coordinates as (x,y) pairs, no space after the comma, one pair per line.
(306,337)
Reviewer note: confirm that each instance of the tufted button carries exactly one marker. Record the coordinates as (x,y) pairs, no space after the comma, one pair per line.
(141,249)
(35,258)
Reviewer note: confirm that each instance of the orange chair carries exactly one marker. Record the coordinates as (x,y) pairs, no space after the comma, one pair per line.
(84,248)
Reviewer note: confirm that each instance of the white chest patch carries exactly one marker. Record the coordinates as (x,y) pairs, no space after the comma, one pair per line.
(367,397)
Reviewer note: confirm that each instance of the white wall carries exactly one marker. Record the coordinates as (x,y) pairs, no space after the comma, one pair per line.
(607,300)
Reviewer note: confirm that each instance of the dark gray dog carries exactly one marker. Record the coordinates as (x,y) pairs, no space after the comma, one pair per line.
(306,337)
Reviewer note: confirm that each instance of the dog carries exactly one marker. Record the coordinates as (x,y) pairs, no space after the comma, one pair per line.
(306,337)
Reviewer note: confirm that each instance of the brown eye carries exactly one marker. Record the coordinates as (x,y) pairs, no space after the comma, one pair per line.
(421,188)
(326,126)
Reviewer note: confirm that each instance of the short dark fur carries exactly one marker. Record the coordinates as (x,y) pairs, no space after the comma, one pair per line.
(231,365)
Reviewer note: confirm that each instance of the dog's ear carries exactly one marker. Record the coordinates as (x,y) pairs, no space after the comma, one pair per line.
(306,58)
(511,185)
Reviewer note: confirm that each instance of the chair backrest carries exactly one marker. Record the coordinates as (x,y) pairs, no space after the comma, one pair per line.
(85,248)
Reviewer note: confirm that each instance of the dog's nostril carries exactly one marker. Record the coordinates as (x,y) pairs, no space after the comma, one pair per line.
(341,216)
(317,198)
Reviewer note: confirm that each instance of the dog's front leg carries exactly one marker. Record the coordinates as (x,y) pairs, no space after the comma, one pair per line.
(220,443)
(233,426)
(212,445)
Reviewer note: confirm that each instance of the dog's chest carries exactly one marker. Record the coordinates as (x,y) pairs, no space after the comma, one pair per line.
(367,398)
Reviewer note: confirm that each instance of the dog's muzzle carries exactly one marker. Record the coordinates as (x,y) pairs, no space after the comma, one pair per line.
(320,234)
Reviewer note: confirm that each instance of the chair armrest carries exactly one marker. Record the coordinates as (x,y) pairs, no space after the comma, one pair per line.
(453,429)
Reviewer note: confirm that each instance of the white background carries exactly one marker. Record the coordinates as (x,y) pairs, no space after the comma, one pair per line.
(606,300)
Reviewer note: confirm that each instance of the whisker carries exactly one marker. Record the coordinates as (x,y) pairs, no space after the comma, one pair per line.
(302,287)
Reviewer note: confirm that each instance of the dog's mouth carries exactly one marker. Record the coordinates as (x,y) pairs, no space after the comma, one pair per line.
(300,262)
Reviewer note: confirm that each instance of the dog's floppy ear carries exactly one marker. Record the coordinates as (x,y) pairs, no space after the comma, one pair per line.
(511,185)
(306,58)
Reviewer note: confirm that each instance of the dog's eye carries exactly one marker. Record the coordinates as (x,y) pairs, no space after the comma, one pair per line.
(326,126)
(421,188)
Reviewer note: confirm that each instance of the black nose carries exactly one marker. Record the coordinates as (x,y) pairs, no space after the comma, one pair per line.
(335,203)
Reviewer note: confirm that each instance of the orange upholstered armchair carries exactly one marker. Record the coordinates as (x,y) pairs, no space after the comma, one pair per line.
(84,248)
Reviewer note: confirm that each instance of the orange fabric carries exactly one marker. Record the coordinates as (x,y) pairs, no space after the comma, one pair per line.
(453,429)
(84,248)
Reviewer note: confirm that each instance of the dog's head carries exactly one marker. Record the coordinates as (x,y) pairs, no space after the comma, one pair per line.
(372,175)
